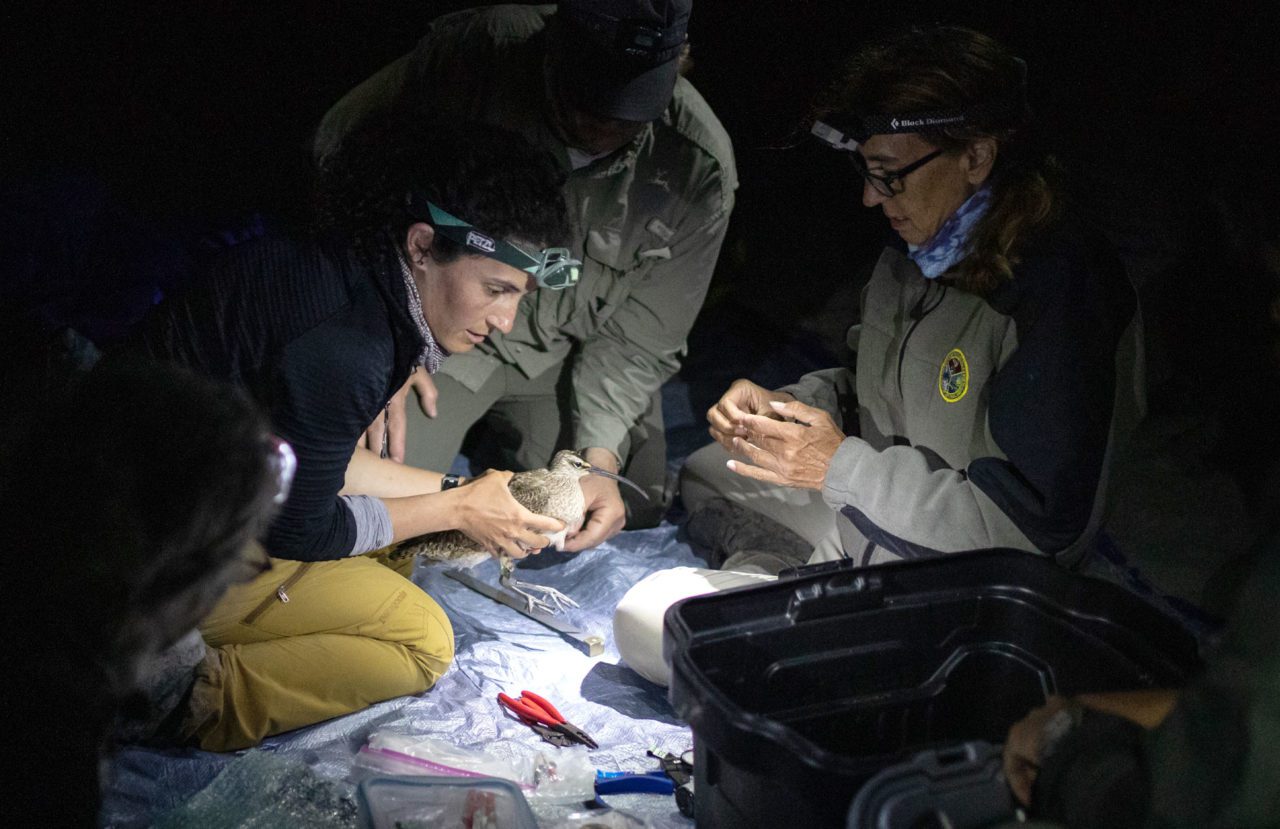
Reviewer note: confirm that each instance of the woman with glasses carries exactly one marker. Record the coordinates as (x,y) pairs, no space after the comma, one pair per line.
(980,409)
(427,240)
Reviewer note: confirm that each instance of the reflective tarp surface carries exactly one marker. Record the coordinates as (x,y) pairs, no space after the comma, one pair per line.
(497,650)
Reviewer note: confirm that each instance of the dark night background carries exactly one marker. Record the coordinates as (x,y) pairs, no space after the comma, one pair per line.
(194,115)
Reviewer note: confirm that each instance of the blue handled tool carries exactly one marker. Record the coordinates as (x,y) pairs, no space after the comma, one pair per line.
(625,782)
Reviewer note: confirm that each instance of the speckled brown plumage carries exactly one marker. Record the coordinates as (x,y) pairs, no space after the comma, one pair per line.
(554,491)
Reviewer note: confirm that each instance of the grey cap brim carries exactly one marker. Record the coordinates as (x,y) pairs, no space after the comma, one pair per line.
(623,91)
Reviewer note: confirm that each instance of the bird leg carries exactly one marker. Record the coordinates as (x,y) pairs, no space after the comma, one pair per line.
(550,601)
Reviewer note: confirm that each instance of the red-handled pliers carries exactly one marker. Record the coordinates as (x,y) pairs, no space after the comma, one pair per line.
(535,711)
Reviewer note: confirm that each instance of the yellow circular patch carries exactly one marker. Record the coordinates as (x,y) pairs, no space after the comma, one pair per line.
(953,376)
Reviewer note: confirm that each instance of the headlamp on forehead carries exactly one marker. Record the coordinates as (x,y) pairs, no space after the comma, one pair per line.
(643,40)
(853,130)
(845,131)
(553,268)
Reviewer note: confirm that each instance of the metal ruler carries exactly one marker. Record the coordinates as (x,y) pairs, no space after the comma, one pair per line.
(590,643)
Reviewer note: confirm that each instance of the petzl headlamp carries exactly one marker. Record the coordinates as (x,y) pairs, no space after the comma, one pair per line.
(553,268)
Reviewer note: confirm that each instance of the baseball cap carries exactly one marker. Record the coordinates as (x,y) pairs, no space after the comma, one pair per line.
(619,58)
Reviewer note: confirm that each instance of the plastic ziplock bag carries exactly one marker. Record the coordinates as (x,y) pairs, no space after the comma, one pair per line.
(602,819)
(569,778)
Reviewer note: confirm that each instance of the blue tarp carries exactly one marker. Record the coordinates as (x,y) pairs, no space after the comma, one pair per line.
(497,650)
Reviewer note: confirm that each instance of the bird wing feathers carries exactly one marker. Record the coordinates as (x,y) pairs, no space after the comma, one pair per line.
(538,490)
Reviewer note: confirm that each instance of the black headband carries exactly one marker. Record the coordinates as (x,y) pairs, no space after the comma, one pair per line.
(1011,109)
(640,40)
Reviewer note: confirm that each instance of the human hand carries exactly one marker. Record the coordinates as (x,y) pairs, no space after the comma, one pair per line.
(743,398)
(1024,748)
(795,452)
(425,388)
(493,518)
(604,509)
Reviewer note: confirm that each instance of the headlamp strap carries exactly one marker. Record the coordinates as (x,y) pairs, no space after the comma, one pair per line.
(848,130)
(547,263)
(469,236)
(637,39)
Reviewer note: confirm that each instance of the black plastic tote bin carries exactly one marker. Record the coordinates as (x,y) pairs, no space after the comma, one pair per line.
(798,691)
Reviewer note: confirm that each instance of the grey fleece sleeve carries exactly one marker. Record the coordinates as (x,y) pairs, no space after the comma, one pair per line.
(373,523)
(833,391)
(912,504)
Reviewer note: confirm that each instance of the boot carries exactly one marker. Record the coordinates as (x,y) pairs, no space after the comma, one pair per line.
(727,529)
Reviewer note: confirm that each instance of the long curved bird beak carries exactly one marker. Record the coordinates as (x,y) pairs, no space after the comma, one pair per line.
(595,470)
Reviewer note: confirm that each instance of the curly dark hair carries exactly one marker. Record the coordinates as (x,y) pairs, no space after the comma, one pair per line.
(485,175)
(141,484)
(944,68)
(132,497)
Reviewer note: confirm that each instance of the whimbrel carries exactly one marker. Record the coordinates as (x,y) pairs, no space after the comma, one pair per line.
(555,491)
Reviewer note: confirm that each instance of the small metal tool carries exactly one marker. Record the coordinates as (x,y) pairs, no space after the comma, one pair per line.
(590,643)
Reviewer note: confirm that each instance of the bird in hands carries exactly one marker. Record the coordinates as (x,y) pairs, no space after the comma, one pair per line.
(555,491)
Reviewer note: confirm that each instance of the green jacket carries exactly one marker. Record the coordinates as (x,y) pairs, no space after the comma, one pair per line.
(1214,762)
(648,220)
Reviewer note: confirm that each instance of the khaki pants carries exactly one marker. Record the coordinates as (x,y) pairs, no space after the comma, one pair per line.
(352,633)
(802,511)
(521,426)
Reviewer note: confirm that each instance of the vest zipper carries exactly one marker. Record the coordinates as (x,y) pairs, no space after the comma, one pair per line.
(280,595)
(919,312)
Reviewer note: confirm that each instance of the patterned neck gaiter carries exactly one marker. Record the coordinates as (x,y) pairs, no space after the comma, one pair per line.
(950,244)
(432,355)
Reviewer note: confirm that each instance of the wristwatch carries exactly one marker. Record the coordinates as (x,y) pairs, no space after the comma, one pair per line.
(450,481)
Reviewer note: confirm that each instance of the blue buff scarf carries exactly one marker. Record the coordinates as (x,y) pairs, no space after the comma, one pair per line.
(949,245)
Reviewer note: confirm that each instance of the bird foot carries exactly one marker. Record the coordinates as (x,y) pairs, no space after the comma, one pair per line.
(540,597)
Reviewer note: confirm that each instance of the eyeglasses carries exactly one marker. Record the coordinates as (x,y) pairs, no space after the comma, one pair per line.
(889,182)
(553,268)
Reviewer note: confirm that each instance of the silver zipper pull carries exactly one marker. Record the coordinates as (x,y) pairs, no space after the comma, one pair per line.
(385,452)
(283,596)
